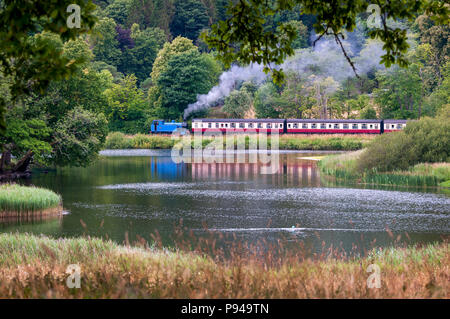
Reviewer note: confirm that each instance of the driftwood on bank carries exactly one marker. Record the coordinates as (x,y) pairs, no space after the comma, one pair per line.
(11,175)
(19,170)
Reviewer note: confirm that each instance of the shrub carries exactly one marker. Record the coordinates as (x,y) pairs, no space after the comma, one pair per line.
(427,140)
(117,140)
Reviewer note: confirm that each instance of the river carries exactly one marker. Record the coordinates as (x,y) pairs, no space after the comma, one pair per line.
(127,195)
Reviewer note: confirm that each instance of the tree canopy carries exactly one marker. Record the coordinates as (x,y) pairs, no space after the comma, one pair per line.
(244,36)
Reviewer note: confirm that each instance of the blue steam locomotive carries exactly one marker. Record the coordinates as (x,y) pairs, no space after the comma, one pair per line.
(163,127)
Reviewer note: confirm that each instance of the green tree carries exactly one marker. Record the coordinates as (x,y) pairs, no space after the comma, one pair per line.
(437,37)
(263,102)
(302,34)
(147,44)
(237,103)
(294,101)
(186,75)
(152,13)
(105,44)
(119,11)
(78,137)
(30,62)
(399,95)
(84,89)
(368,113)
(243,36)
(169,50)
(190,18)
(42,128)
(439,99)
(126,107)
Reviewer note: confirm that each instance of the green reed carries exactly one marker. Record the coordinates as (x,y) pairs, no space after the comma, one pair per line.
(16,198)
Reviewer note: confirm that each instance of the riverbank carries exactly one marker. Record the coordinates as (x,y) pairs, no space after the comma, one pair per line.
(24,202)
(35,267)
(344,167)
(286,142)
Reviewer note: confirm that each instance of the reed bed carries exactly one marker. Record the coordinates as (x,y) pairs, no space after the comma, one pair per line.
(336,142)
(344,168)
(16,200)
(35,267)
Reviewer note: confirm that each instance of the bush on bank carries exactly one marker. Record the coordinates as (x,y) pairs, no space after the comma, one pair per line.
(346,167)
(424,141)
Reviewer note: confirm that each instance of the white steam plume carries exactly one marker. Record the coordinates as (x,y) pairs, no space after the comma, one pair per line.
(227,82)
(325,60)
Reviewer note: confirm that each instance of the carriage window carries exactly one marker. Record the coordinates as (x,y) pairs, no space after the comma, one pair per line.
(216,125)
(250,125)
(323,126)
(276,125)
(376,126)
(241,125)
(355,126)
(233,125)
(259,125)
(304,125)
(281,125)
(392,126)
(371,126)
(345,126)
(289,125)
(364,126)
(209,125)
(313,125)
(269,125)
(295,125)
(399,126)
(336,126)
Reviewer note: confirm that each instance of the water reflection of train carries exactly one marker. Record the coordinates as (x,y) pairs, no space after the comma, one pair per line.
(291,172)
(296,126)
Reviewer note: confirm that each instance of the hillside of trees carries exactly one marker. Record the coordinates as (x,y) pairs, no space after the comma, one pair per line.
(147,59)
(159,64)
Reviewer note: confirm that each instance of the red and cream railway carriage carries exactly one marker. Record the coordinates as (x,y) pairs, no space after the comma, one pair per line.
(238,125)
(297,126)
(394,125)
(334,126)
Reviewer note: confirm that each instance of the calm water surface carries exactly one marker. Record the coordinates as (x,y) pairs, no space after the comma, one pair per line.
(141,192)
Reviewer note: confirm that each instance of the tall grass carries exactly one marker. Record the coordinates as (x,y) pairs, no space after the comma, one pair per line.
(346,167)
(35,267)
(16,198)
(119,140)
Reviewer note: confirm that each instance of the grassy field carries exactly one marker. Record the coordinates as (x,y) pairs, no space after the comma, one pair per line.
(286,142)
(344,167)
(35,267)
(22,199)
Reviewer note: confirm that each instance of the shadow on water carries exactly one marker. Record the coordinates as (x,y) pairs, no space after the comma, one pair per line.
(135,195)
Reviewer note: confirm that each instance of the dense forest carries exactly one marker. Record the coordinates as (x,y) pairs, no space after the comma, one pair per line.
(147,59)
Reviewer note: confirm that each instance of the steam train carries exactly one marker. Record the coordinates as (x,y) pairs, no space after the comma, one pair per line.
(284,126)
(296,126)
